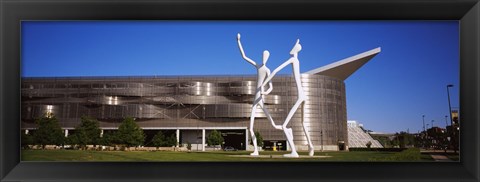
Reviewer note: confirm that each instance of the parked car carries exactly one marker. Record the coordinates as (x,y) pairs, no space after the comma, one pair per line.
(229,149)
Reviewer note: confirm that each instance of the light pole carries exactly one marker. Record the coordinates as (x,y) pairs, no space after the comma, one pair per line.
(434,135)
(321,138)
(449,106)
(424,131)
(450,112)
(423,118)
(446,135)
(446,123)
(428,139)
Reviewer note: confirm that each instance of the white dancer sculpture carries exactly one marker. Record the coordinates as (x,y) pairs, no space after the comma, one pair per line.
(262,73)
(301,99)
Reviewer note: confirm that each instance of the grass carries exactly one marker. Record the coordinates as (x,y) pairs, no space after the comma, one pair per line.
(214,156)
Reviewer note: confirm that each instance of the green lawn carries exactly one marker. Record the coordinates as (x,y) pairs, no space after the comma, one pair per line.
(79,155)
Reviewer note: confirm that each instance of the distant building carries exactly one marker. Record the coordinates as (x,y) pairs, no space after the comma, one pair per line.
(358,137)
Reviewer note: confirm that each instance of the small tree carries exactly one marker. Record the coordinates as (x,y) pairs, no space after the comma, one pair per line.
(259,139)
(130,134)
(369,144)
(108,139)
(48,131)
(87,132)
(158,140)
(189,146)
(215,138)
(92,129)
(171,141)
(27,140)
(70,140)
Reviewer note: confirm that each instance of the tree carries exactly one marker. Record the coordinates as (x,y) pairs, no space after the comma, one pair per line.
(129,133)
(80,138)
(159,140)
(171,141)
(384,140)
(70,141)
(368,144)
(189,146)
(259,139)
(87,132)
(405,139)
(48,131)
(214,138)
(27,140)
(108,139)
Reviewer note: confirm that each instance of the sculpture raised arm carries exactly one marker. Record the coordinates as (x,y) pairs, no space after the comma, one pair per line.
(243,53)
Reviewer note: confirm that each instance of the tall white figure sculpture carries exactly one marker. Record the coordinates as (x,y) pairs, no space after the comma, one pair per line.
(262,73)
(301,99)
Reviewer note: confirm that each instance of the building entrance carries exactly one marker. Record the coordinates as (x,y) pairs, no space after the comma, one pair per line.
(234,138)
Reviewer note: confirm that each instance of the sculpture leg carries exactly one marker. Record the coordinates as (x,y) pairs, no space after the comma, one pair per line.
(265,110)
(289,134)
(252,133)
(288,131)
(310,145)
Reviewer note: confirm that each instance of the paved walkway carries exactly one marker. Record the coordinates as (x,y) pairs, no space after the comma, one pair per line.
(278,156)
(440,158)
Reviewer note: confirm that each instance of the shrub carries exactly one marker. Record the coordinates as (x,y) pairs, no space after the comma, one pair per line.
(189,146)
(159,140)
(27,140)
(369,144)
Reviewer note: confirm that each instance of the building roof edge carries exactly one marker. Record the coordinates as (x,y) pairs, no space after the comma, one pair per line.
(344,68)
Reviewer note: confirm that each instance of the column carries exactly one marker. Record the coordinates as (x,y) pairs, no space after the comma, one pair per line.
(66,133)
(178,137)
(101,133)
(26,132)
(203,139)
(246,139)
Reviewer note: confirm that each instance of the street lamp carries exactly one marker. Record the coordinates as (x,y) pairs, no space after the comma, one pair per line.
(446,132)
(446,123)
(423,118)
(428,140)
(424,131)
(449,106)
(321,138)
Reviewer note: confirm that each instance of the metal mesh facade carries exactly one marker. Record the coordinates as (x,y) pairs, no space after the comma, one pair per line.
(189,101)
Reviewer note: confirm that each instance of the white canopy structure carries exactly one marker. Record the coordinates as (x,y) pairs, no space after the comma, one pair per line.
(344,68)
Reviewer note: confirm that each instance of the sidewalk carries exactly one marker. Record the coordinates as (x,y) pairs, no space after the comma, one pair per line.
(440,158)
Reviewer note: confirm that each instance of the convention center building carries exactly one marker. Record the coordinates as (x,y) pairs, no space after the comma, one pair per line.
(190,107)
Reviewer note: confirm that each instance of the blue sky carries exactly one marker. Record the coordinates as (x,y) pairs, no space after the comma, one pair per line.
(389,94)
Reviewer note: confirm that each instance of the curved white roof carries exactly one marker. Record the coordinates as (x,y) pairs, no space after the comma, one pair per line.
(344,68)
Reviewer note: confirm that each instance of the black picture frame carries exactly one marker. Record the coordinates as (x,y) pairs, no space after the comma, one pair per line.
(12,12)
